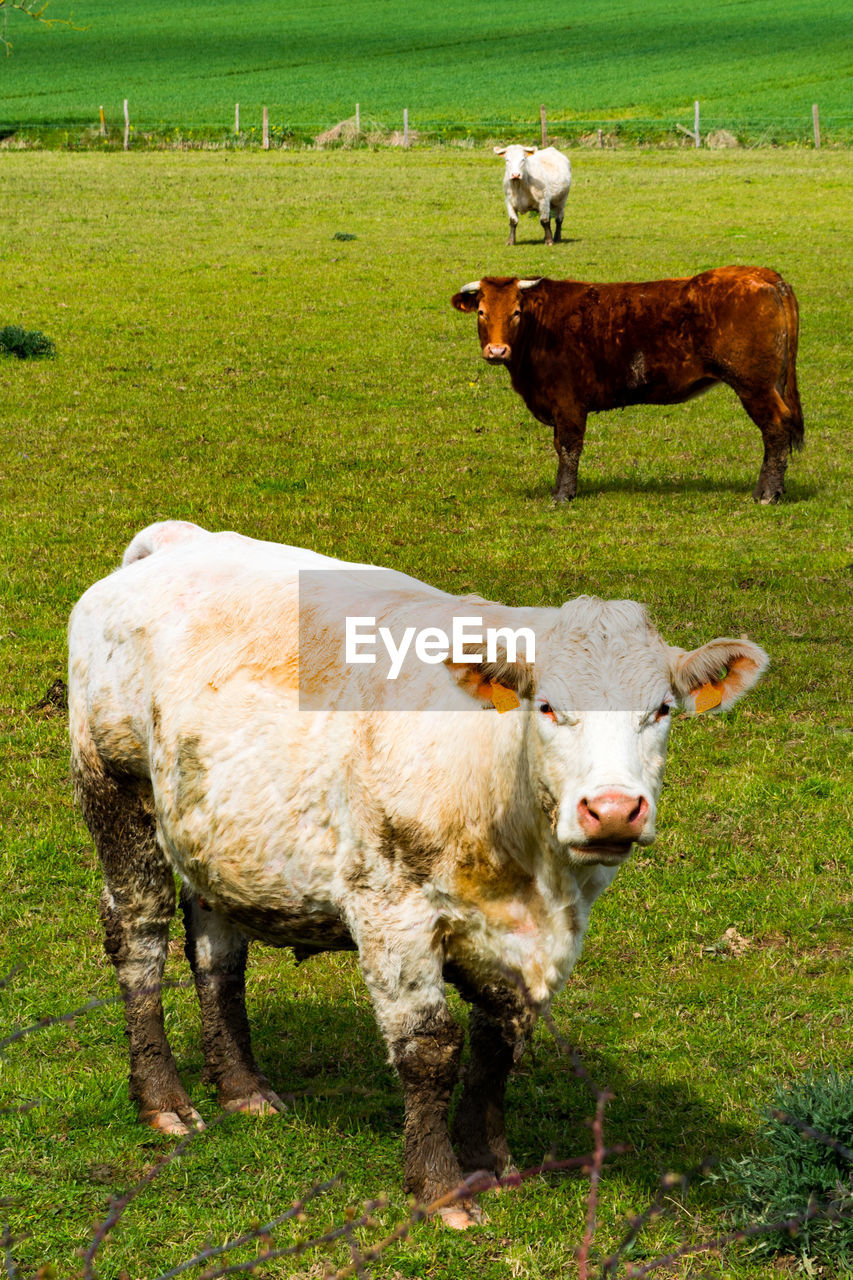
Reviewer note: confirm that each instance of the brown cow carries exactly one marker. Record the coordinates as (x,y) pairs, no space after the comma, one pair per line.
(573,348)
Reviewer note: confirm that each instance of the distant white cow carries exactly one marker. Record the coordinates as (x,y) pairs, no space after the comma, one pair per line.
(536,180)
(462,845)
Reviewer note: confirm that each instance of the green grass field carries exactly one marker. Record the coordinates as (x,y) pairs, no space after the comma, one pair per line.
(222,358)
(756,65)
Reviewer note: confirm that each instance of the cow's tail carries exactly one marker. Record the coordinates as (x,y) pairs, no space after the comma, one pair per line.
(788,379)
(165,533)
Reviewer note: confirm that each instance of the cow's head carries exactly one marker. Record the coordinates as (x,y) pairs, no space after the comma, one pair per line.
(500,303)
(597,705)
(516,161)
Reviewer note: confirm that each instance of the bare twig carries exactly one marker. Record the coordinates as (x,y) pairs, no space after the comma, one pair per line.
(54,1019)
(11,1269)
(120,1203)
(207,1255)
(34,9)
(13,973)
(791,1225)
(809,1132)
(594,1176)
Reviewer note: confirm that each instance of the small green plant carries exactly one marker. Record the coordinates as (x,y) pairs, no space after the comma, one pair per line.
(26,344)
(801,1169)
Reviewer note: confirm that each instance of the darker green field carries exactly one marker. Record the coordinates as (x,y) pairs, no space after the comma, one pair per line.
(756,66)
(223,358)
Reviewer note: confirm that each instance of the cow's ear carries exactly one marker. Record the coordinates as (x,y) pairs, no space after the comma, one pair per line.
(466,298)
(501,684)
(531,150)
(714,677)
(499,151)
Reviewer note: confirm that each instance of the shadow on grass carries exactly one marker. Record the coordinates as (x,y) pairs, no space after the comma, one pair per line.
(538,242)
(795,494)
(331,1056)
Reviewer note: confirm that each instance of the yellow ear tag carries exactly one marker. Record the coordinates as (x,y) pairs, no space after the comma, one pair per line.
(710,695)
(504,699)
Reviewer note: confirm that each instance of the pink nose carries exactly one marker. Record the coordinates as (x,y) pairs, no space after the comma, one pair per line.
(496,351)
(613,815)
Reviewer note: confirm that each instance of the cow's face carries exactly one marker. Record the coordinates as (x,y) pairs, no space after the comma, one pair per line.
(598,719)
(516,162)
(500,304)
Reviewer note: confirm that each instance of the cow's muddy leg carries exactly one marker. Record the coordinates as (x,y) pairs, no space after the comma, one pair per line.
(217,955)
(558,228)
(427,1060)
(777,424)
(498,1024)
(546,227)
(512,227)
(136,906)
(568,443)
(404,976)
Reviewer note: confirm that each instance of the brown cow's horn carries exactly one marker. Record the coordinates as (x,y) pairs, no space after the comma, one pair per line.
(528,284)
(472,287)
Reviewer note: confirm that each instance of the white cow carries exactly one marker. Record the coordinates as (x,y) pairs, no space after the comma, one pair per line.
(536,180)
(440,842)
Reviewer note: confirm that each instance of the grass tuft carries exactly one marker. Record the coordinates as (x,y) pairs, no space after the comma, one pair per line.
(26,344)
(803,1156)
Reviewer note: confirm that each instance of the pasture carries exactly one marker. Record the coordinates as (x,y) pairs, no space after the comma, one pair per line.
(757,66)
(222,357)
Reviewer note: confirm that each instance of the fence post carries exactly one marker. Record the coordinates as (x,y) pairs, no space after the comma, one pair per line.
(266,134)
(696,123)
(237,117)
(357,119)
(405,126)
(601,138)
(544,123)
(126,126)
(103,123)
(816,123)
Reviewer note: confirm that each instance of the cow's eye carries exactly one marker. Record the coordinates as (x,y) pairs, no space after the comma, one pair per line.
(516,313)
(545,709)
(663,710)
(481,313)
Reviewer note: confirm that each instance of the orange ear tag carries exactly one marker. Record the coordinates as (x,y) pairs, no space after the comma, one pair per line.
(710,695)
(504,699)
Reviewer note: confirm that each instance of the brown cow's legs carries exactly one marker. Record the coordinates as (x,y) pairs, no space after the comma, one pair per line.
(568,442)
(496,1032)
(136,906)
(217,955)
(775,421)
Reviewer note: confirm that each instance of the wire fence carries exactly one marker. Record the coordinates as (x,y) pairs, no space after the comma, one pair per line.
(262,128)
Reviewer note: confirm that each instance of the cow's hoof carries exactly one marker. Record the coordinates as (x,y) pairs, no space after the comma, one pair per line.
(177,1124)
(561,499)
(260,1103)
(767,499)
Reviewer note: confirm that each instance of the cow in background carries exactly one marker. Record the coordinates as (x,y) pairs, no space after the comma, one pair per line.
(573,348)
(464,845)
(536,181)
